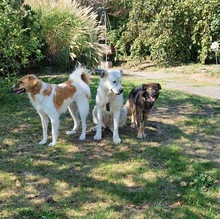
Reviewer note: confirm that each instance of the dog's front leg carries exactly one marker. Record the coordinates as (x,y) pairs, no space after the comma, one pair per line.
(116,138)
(98,135)
(141,133)
(140,126)
(55,126)
(44,122)
(143,124)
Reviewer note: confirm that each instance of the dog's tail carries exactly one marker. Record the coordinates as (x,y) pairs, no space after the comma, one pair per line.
(86,77)
(81,79)
(82,73)
(127,108)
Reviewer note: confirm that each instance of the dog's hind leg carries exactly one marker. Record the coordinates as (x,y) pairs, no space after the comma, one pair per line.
(55,126)
(133,118)
(83,107)
(44,122)
(74,113)
(94,117)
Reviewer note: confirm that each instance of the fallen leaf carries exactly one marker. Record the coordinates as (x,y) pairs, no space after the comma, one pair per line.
(178,195)
(183,183)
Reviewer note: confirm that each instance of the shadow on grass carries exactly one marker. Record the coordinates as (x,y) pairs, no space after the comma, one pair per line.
(154,177)
(53,178)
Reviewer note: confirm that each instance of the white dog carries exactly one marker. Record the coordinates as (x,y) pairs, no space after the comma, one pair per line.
(51,100)
(108,111)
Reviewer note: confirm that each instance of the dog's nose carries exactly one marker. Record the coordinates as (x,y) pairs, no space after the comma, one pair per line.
(121,90)
(154,94)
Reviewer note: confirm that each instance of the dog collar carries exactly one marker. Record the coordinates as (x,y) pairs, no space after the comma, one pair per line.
(108,106)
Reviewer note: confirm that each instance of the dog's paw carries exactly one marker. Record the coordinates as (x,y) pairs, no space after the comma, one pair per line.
(42,142)
(51,144)
(82,137)
(132,125)
(73,131)
(117,140)
(97,137)
(144,135)
(139,136)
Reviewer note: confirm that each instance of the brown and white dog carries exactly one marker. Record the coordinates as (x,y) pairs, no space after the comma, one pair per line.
(50,100)
(139,104)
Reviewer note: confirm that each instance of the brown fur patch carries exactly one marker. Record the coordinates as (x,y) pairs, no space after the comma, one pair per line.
(62,93)
(85,77)
(48,90)
(31,83)
(36,89)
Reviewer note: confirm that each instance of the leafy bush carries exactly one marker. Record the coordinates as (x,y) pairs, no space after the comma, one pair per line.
(20,41)
(70,32)
(171,31)
(5,85)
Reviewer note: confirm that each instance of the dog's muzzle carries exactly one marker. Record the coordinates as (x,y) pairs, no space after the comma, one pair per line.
(17,91)
(118,93)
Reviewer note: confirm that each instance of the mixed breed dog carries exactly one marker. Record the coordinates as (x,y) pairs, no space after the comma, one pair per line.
(50,100)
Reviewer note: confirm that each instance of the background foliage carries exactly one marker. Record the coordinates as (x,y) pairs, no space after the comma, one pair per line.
(57,33)
(171,32)
(20,39)
(62,33)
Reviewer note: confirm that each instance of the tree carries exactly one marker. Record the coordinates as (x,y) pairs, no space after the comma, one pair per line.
(170,31)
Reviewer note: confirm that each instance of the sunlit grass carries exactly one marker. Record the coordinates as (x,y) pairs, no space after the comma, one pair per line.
(173,173)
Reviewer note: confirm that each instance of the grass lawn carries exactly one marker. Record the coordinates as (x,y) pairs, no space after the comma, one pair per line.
(173,173)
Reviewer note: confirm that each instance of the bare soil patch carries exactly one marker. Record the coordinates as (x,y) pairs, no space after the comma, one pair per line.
(200,80)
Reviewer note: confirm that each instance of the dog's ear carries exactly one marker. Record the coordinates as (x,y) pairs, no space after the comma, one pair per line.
(32,79)
(103,73)
(144,86)
(158,86)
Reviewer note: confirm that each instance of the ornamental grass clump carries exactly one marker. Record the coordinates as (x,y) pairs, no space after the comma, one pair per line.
(70,32)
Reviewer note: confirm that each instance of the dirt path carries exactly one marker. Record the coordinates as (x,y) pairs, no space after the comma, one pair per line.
(199,82)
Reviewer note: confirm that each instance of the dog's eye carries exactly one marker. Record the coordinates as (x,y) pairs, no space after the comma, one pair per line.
(114,82)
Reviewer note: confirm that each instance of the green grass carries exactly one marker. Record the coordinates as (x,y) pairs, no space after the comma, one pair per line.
(173,173)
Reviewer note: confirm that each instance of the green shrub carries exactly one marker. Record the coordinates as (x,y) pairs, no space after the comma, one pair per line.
(20,41)
(5,85)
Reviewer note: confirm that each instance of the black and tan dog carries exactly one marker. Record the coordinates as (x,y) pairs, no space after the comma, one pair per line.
(139,105)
